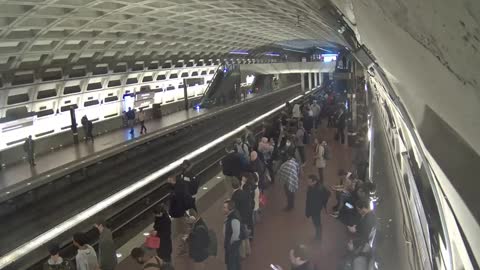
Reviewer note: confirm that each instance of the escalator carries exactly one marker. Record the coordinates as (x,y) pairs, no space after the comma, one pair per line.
(263,83)
(224,87)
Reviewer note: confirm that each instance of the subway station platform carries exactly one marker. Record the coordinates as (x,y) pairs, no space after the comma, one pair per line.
(278,231)
(22,176)
(22,173)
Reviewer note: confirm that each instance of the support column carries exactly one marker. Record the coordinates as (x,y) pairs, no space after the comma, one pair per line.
(315,75)
(302,81)
(320,78)
(310,81)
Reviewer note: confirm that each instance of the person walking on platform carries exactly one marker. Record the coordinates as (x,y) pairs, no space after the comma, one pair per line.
(141,119)
(163,229)
(296,112)
(288,174)
(107,256)
(131,119)
(55,261)
(317,198)
(341,123)
(232,231)
(86,258)
(29,148)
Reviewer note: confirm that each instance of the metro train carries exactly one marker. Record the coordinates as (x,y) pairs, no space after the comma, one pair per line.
(438,238)
(43,108)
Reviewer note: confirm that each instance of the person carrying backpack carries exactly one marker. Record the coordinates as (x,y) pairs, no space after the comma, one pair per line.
(200,244)
(317,199)
(56,262)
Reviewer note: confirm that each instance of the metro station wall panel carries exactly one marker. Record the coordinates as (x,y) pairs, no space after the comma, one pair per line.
(42,108)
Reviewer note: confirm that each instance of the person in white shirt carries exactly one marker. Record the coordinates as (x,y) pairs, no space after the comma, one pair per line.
(86,258)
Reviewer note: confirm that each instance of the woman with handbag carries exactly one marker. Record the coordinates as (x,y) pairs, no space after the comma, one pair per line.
(163,229)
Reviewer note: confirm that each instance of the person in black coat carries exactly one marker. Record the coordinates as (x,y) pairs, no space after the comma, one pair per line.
(163,226)
(317,198)
(242,203)
(341,123)
(198,241)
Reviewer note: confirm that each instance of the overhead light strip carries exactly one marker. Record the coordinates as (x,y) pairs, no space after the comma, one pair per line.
(70,223)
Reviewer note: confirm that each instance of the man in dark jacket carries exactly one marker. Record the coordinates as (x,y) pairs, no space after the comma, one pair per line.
(163,227)
(232,239)
(189,177)
(317,198)
(241,200)
(180,202)
(341,123)
(198,241)
(107,256)
(231,166)
(29,148)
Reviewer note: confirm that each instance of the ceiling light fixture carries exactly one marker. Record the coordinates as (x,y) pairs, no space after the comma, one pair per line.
(239,52)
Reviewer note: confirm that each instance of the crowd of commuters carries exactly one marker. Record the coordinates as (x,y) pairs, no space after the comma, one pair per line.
(250,167)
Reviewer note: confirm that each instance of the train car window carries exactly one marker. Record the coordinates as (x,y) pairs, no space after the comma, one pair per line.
(94,86)
(71,89)
(170,88)
(179,65)
(44,113)
(46,94)
(137,67)
(132,80)
(190,64)
(67,107)
(23,79)
(75,73)
(211,71)
(114,83)
(147,79)
(173,76)
(195,73)
(111,99)
(184,74)
(91,103)
(204,72)
(15,99)
(120,68)
(51,76)
(100,70)
(161,77)
(167,65)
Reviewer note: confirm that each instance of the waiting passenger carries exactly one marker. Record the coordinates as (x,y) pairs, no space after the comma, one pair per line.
(188,176)
(107,255)
(242,202)
(180,202)
(249,186)
(131,119)
(363,232)
(316,109)
(29,148)
(242,148)
(299,258)
(258,167)
(86,258)
(317,199)
(89,131)
(141,119)
(149,262)
(232,231)
(301,139)
(56,262)
(265,150)
(308,120)
(84,122)
(163,228)
(340,124)
(198,241)
(288,174)
(320,158)
(232,165)
(249,139)
(296,112)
